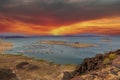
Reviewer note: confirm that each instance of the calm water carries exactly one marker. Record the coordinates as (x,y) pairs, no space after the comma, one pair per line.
(62,54)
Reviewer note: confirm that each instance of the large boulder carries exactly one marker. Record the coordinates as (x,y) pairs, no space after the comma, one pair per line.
(67,76)
(26,66)
(21,65)
(116,62)
(90,64)
(118,52)
(6,74)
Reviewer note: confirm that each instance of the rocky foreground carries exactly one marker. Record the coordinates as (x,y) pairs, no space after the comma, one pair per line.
(22,68)
(17,67)
(101,67)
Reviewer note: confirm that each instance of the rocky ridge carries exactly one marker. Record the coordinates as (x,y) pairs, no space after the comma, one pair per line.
(101,67)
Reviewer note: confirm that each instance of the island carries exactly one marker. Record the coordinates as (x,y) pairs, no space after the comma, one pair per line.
(66,43)
(106,40)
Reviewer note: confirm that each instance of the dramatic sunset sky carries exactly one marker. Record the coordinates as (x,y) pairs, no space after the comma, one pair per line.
(60,17)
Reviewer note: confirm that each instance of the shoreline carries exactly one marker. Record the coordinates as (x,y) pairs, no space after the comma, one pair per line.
(32,58)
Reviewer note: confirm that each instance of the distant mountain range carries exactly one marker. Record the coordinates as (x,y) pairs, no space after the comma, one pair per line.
(86,35)
(27,36)
(12,35)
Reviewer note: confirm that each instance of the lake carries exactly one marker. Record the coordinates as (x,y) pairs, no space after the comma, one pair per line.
(62,54)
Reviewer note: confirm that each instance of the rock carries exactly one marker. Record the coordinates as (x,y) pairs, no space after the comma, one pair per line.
(67,76)
(118,73)
(90,64)
(77,78)
(90,77)
(99,56)
(6,74)
(30,67)
(21,65)
(109,77)
(114,72)
(116,62)
(87,70)
(117,52)
(26,66)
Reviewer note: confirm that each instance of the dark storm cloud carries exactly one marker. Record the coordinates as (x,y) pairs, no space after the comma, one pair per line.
(59,12)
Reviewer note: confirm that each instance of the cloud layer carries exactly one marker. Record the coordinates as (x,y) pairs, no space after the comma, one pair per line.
(52,14)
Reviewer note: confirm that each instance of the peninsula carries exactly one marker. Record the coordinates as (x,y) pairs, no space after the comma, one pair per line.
(5,45)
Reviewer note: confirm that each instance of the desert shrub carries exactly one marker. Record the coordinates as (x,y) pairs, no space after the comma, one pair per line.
(112,56)
(106,61)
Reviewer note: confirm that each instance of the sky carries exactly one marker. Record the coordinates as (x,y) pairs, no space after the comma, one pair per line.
(60,17)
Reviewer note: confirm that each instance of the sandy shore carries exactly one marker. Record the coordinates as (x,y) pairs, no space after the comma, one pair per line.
(5,45)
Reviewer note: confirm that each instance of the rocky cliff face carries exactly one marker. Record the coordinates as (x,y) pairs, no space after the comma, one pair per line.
(90,64)
(108,73)
(94,69)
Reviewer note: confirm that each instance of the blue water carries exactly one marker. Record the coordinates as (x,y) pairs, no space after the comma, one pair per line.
(61,54)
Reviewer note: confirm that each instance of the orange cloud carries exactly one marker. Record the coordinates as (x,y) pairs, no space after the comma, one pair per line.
(60,17)
(15,26)
(109,26)
(100,26)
